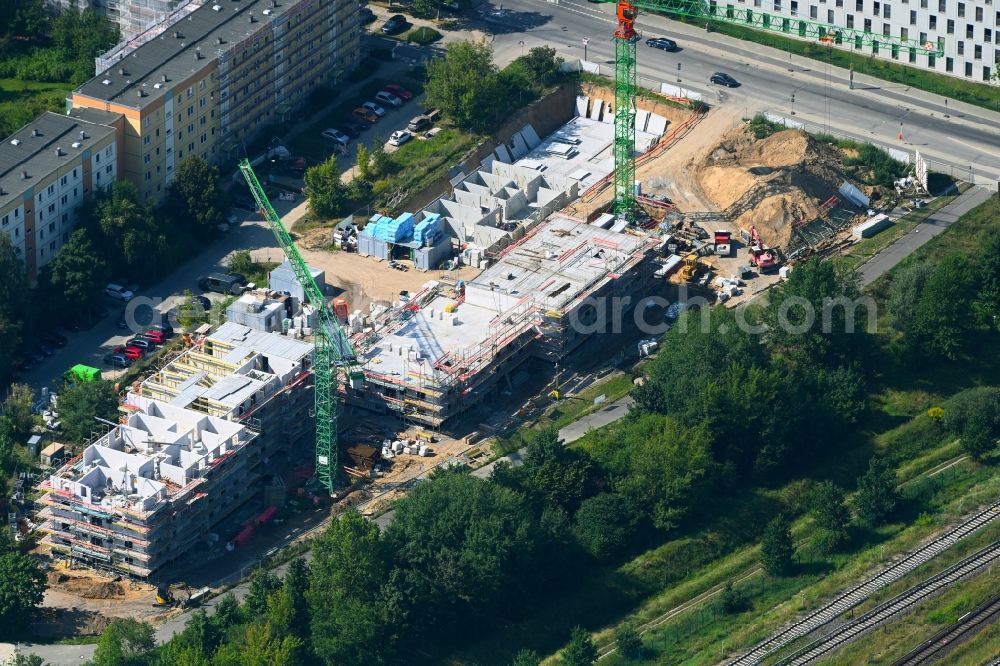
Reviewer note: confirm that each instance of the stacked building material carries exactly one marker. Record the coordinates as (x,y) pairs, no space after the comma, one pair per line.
(428,229)
(391,230)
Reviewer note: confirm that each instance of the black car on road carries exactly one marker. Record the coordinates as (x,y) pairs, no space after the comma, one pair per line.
(394,25)
(724,79)
(662,43)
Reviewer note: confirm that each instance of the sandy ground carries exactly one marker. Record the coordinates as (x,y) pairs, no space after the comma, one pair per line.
(674,173)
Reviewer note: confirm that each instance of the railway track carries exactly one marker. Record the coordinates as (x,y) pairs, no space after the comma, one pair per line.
(862,591)
(944,640)
(898,604)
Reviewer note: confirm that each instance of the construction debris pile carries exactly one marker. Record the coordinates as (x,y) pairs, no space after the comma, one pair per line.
(772,183)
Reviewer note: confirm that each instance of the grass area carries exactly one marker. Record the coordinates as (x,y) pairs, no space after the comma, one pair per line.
(22,101)
(892,642)
(861,252)
(979,649)
(423,35)
(978,94)
(420,162)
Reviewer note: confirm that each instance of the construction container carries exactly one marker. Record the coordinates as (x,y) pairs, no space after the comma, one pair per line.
(283,280)
(872,226)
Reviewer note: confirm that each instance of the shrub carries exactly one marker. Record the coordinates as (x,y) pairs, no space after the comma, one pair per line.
(423,35)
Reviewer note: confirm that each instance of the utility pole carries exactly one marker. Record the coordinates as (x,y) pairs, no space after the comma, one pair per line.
(585,42)
(793,104)
(678,72)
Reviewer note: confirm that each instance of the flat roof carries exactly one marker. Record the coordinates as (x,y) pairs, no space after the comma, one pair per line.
(173,53)
(32,149)
(247,342)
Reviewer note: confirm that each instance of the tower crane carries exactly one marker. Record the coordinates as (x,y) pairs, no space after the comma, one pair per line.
(625,64)
(332,347)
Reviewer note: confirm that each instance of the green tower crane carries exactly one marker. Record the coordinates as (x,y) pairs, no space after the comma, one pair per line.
(332,347)
(625,65)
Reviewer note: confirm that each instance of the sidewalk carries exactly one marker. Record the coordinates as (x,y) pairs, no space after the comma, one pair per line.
(885,260)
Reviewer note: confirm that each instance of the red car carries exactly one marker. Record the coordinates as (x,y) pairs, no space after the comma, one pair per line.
(131,353)
(156,336)
(399,91)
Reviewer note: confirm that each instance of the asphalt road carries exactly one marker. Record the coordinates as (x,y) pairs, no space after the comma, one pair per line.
(955,137)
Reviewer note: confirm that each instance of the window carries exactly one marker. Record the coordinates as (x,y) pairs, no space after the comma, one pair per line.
(204,138)
(191,90)
(190,128)
(951,27)
(850,20)
(52,245)
(932,22)
(52,226)
(978,51)
(64,199)
(961,48)
(6,219)
(812,12)
(202,102)
(968,31)
(75,192)
(886,11)
(886,30)
(913,17)
(795,8)
(52,189)
(74,173)
(829,16)
(968,69)
(923,4)
(145,140)
(190,111)
(859,5)
(868,25)
(840,3)
(107,151)
(904,33)
(986,73)
(942,6)
(979,14)
(145,159)
(987,35)
(63,181)
(108,168)
(961,9)
(149,175)
(52,208)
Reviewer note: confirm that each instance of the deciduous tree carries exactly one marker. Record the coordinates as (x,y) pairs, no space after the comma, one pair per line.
(124,642)
(777,548)
(877,495)
(326,191)
(974,415)
(604,524)
(580,651)
(22,586)
(831,515)
(944,313)
(263,584)
(466,85)
(628,642)
(76,276)
(81,403)
(196,194)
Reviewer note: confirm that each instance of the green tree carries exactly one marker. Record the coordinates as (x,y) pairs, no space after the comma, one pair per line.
(194,645)
(817,315)
(628,641)
(944,313)
(22,20)
(227,612)
(348,595)
(974,416)
(196,194)
(242,262)
(877,494)
(555,474)
(363,163)
(124,642)
(13,304)
(604,524)
(462,544)
(261,646)
(732,600)
(580,651)
(543,64)
(831,515)
(132,241)
(191,313)
(987,303)
(905,292)
(76,276)
(21,659)
(379,160)
(465,85)
(81,403)
(526,658)
(263,584)
(777,548)
(326,191)
(287,609)
(661,466)
(17,415)
(22,586)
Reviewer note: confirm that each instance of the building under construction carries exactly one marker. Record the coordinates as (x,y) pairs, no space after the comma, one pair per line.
(441,351)
(195,440)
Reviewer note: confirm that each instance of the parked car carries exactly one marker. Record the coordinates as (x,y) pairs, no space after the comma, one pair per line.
(156,337)
(119,360)
(352,129)
(724,79)
(367,16)
(142,343)
(336,135)
(222,284)
(662,43)
(418,124)
(206,304)
(53,339)
(398,138)
(364,115)
(133,353)
(394,25)
(165,328)
(374,108)
(118,292)
(386,97)
(399,91)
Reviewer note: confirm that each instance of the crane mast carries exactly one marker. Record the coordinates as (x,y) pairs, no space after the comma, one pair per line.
(331,345)
(625,65)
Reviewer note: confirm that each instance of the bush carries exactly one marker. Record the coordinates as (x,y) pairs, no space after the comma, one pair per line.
(423,36)
(762,128)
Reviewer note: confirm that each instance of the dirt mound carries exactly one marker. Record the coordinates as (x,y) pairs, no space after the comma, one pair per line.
(56,577)
(770,183)
(316,239)
(106,590)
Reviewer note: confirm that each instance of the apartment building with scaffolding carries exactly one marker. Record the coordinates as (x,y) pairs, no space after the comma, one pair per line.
(217,77)
(433,356)
(47,169)
(145,493)
(196,441)
(132,17)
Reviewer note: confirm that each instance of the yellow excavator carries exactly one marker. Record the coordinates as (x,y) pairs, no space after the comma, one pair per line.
(693,266)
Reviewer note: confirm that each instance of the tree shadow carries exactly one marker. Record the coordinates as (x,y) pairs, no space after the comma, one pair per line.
(506,21)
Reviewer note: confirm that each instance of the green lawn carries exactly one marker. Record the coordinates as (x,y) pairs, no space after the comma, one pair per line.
(22,101)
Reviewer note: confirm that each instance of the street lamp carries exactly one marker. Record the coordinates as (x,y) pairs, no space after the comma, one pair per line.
(521,42)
